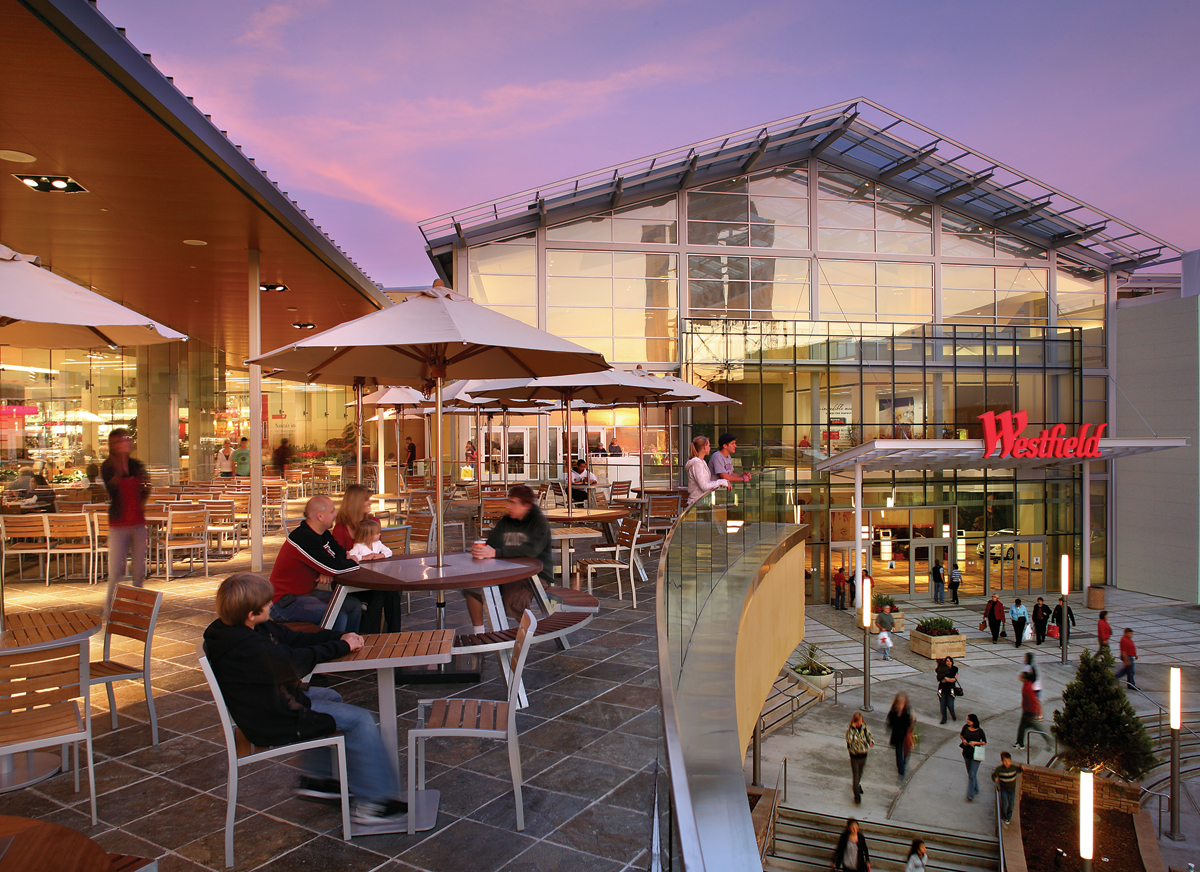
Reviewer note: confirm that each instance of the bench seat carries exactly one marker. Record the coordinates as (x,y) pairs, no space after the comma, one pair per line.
(570,600)
(549,628)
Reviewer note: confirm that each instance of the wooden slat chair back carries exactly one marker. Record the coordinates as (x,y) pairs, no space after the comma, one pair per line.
(297,482)
(320,482)
(133,614)
(661,511)
(40,695)
(491,510)
(474,492)
(600,499)
(421,537)
(560,495)
(24,534)
(627,536)
(620,489)
(493,490)
(224,526)
(415,482)
(274,501)
(92,508)
(397,538)
(240,752)
(70,534)
(71,506)
(475,719)
(542,493)
(187,531)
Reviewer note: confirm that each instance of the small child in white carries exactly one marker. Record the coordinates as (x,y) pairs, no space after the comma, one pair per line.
(366,540)
(382,605)
(885,644)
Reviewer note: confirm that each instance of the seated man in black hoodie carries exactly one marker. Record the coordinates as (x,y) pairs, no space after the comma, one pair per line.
(523,532)
(259,665)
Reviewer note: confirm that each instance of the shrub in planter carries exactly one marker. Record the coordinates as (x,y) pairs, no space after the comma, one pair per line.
(879,600)
(936,638)
(812,668)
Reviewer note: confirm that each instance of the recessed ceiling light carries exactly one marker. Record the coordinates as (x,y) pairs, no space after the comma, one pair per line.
(194,242)
(273,287)
(16,156)
(292,309)
(52,184)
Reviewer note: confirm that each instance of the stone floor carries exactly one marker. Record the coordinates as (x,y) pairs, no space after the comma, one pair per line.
(589,741)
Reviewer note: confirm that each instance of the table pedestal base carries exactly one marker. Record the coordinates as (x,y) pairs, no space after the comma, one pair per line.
(26,768)
(425,808)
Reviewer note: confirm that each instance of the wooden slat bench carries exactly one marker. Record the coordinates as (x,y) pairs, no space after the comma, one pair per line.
(550,628)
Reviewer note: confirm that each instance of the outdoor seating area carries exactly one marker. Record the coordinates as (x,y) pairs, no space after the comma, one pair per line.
(577,739)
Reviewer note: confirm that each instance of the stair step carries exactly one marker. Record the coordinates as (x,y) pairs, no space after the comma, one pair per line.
(834,824)
(811,847)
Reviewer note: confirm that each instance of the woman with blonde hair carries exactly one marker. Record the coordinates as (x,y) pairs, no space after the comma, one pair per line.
(699,477)
(355,507)
(381,605)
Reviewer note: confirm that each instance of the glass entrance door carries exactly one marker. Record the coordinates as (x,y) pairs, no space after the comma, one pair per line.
(922,555)
(1017,565)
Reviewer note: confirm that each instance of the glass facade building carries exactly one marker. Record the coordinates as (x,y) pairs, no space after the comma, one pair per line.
(840,309)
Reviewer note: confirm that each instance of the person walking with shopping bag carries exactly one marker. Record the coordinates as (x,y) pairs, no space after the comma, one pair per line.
(1041,617)
(993,614)
(1019,618)
(859,743)
(972,741)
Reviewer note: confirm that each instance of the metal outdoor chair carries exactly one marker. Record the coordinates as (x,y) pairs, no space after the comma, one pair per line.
(133,614)
(240,752)
(472,719)
(186,531)
(627,536)
(70,534)
(24,534)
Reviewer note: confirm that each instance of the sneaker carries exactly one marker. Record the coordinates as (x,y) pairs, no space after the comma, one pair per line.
(374,813)
(1019,747)
(325,790)
(970,799)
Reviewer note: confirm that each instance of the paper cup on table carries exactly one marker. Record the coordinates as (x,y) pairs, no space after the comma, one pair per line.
(476,544)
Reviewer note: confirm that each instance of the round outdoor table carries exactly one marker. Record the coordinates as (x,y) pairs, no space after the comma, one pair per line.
(31,631)
(34,843)
(405,573)
(605,516)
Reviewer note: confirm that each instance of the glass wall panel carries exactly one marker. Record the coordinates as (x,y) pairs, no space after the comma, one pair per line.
(652,222)
(965,237)
(856,290)
(723,286)
(764,210)
(856,214)
(1082,302)
(504,277)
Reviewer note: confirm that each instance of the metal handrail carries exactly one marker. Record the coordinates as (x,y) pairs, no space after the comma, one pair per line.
(782,773)
(838,678)
(1000,831)
(1160,799)
(1039,733)
(1161,711)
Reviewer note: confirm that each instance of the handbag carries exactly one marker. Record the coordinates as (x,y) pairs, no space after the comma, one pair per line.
(958,691)
(979,752)
(1052,631)
(983,626)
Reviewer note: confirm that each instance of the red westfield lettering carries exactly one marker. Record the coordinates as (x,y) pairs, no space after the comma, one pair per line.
(1005,429)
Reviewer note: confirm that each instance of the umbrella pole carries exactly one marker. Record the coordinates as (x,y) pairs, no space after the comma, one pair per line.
(504,448)
(670,450)
(441,544)
(641,448)
(489,445)
(567,463)
(399,447)
(358,397)
(381,470)
(478,430)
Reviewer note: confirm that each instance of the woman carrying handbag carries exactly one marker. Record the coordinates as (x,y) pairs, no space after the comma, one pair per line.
(972,741)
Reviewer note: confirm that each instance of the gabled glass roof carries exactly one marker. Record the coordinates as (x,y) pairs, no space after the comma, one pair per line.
(860,136)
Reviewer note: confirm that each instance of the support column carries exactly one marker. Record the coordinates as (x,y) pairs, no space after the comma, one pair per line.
(1085,548)
(256,413)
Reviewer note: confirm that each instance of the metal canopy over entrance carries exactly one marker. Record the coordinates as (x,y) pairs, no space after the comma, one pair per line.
(893,455)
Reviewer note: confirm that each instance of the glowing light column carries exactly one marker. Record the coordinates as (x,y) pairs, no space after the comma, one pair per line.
(1086,818)
(1175,834)
(1066,613)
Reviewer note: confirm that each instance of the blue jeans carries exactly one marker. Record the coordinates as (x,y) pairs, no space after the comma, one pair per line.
(1127,670)
(939,591)
(947,704)
(311,608)
(901,758)
(1008,798)
(972,772)
(372,778)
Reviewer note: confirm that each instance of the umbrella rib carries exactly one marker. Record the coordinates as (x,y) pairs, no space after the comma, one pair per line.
(8,322)
(107,341)
(407,353)
(519,362)
(317,370)
(468,354)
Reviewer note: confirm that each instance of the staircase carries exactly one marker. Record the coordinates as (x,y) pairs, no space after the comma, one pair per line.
(804,842)
(789,698)
(1159,777)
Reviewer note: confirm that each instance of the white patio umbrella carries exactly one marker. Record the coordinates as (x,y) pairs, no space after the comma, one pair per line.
(432,335)
(599,388)
(683,395)
(459,394)
(397,397)
(39,309)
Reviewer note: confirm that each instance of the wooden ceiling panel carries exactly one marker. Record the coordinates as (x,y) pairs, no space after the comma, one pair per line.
(149,187)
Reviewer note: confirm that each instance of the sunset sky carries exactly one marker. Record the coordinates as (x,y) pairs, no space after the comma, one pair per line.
(376,114)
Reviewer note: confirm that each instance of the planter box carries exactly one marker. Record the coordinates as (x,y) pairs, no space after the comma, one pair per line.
(898,627)
(817,682)
(937,647)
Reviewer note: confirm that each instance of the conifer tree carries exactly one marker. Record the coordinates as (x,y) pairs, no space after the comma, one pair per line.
(1097,724)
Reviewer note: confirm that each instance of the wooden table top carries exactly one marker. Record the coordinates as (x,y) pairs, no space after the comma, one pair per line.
(574,533)
(34,843)
(562,515)
(421,572)
(381,650)
(27,629)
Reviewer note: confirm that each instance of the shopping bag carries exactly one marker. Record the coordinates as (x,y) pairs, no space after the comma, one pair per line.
(1052,631)
(979,753)
(885,639)
(1028,635)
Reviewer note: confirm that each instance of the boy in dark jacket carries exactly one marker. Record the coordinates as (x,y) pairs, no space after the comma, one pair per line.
(523,532)
(259,666)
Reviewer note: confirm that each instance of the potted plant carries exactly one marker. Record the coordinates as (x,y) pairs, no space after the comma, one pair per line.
(936,638)
(812,669)
(878,601)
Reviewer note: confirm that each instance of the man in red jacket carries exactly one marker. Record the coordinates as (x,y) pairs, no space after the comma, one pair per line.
(1128,658)
(309,554)
(1031,707)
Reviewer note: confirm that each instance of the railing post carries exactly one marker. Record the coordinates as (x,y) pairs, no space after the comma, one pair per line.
(756,781)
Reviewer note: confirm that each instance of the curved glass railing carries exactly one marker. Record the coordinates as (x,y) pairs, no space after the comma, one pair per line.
(711,564)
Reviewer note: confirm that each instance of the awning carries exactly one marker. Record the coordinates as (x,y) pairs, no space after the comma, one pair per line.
(882,455)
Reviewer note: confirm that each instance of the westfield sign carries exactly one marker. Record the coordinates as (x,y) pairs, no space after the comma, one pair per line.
(1004,429)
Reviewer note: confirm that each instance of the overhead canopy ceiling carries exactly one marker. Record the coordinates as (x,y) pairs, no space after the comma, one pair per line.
(885,455)
(82,100)
(860,136)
